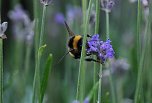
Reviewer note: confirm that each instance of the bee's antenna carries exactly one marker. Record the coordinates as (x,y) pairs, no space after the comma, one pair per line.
(68,29)
(62,57)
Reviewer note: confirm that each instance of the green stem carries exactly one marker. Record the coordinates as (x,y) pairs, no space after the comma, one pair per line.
(1,71)
(36,82)
(138,31)
(139,60)
(139,79)
(81,75)
(110,76)
(42,26)
(96,32)
(27,59)
(36,29)
(107,24)
(113,94)
(100,82)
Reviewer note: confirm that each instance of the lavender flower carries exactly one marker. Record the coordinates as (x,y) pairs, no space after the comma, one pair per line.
(107,5)
(3,28)
(19,15)
(46,2)
(73,13)
(103,50)
(30,32)
(59,18)
(22,25)
(118,68)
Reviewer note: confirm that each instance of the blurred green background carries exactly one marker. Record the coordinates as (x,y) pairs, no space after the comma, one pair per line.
(63,77)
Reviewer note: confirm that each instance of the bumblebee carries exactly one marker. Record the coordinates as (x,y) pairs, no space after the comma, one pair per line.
(75,45)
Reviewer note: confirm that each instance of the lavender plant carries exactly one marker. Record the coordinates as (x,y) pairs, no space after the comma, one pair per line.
(117,81)
(3,28)
(107,6)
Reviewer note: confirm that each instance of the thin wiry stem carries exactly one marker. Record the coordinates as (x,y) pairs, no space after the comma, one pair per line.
(110,76)
(42,26)
(96,32)
(107,25)
(1,71)
(36,82)
(139,60)
(81,74)
(100,84)
(138,31)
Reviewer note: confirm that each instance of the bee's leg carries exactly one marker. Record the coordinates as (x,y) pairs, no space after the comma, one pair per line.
(91,59)
(88,54)
(89,36)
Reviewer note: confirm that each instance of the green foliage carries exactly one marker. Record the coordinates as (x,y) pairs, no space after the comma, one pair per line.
(45,77)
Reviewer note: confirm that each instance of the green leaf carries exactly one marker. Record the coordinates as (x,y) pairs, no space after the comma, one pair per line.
(45,76)
(36,82)
(93,90)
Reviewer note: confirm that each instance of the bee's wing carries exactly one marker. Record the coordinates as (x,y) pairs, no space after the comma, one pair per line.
(68,29)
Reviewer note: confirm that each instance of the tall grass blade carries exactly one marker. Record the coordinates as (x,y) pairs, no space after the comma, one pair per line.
(140,59)
(36,82)
(96,32)
(45,76)
(93,91)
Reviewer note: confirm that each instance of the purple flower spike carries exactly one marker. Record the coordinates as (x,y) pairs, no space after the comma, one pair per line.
(103,50)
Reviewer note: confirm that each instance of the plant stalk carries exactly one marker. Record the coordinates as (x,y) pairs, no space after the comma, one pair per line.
(1,71)
(81,75)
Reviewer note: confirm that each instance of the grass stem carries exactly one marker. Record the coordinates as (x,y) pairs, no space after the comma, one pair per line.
(107,25)
(96,31)
(100,84)
(110,76)
(36,82)
(140,59)
(1,71)
(81,75)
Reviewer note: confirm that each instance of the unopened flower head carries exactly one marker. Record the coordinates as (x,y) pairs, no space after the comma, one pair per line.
(46,2)
(3,28)
(103,50)
(92,18)
(107,5)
